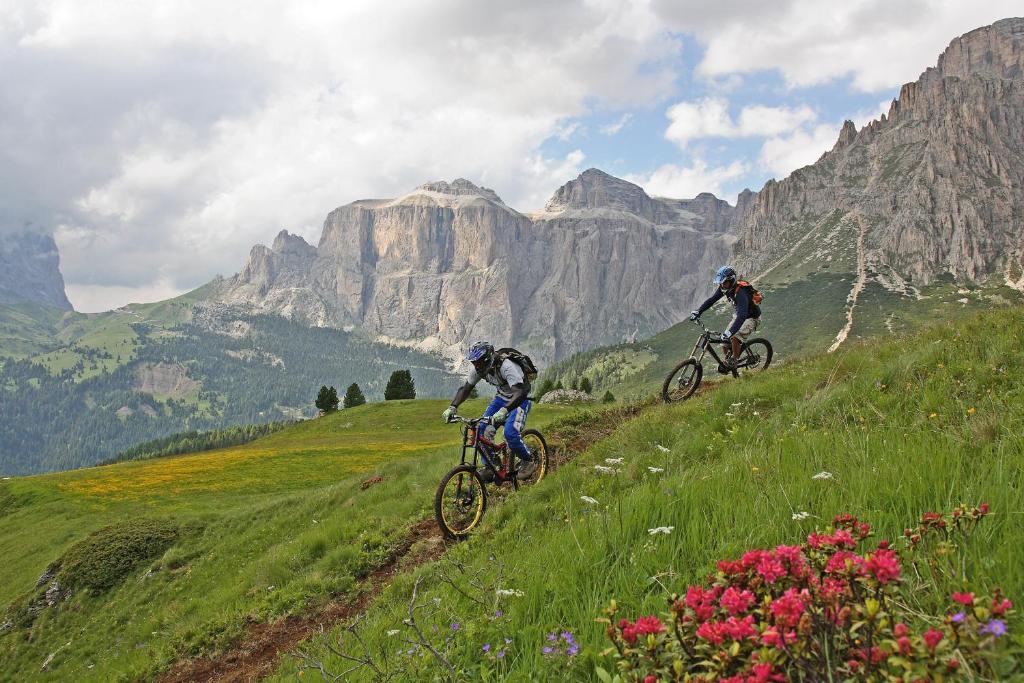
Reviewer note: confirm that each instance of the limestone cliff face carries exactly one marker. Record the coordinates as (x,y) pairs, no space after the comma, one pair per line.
(30,271)
(935,186)
(451,263)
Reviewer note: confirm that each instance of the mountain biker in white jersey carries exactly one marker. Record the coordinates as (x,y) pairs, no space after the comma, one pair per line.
(510,405)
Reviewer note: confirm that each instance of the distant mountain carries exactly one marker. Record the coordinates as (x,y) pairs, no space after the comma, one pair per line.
(30,271)
(934,188)
(450,263)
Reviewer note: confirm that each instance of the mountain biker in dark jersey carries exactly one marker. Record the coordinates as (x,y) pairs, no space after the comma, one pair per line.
(510,405)
(748,313)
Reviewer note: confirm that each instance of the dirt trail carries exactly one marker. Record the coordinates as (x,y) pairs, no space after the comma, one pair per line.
(858,286)
(259,654)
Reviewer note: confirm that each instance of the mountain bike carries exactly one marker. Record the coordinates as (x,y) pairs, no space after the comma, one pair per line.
(755,354)
(461,497)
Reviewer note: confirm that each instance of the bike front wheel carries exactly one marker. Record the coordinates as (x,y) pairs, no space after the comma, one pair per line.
(682,381)
(538,448)
(460,502)
(757,354)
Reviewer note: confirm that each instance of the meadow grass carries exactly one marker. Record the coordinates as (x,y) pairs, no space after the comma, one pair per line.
(276,526)
(900,428)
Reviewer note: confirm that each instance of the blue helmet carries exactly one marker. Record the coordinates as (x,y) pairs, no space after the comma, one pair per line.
(481,352)
(725,277)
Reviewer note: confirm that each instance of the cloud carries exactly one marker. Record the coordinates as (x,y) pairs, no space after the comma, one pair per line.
(878,44)
(673,180)
(783,154)
(710,118)
(163,140)
(615,126)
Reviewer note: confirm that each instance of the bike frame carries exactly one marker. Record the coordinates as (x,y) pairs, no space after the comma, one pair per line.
(705,345)
(473,441)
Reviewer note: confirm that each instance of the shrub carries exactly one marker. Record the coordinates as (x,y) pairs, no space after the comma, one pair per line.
(608,397)
(103,558)
(824,610)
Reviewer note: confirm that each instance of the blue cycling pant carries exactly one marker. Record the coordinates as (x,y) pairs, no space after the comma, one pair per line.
(515,423)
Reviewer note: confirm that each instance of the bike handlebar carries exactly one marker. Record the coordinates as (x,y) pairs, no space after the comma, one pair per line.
(713,336)
(472,422)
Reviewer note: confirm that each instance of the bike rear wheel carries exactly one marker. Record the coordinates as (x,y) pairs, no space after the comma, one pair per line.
(682,381)
(460,502)
(538,447)
(756,355)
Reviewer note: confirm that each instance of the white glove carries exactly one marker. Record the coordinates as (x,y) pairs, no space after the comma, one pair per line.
(447,414)
(499,417)
(694,315)
(726,335)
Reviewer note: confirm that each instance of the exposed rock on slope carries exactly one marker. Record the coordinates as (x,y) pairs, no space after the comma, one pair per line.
(30,271)
(935,186)
(450,262)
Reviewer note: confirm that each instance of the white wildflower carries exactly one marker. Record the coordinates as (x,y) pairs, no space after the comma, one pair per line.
(756,413)
(613,461)
(736,405)
(393,632)
(660,530)
(729,415)
(655,470)
(509,592)
(822,475)
(661,448)
(800,516)
(604,470)
(588,499)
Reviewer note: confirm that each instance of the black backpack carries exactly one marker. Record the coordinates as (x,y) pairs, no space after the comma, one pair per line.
(519,358)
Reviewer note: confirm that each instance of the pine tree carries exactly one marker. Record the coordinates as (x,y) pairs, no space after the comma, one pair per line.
(608,397)
(353,396)
(558,385)
(545,386)
(585,385)
(400,385)
(327,399)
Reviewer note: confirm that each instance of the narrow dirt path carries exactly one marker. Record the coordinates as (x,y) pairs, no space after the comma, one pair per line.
(858,286)
(260,652)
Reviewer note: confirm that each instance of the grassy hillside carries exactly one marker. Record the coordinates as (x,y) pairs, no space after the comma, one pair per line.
(800,317)
(77,388)
(922,423)
(275,526)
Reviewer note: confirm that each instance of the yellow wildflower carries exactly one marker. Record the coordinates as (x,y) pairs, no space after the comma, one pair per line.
(971,410)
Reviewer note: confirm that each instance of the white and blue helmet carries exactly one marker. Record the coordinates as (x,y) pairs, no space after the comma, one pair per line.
(481,352)
(725,278)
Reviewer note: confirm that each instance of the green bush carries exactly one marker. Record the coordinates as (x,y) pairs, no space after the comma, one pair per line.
(101,560)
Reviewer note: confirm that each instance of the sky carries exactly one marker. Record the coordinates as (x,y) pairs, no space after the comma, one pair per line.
(159,140)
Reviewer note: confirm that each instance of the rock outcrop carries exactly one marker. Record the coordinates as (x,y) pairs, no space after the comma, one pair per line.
(450,263)
(30,271)
(934,187)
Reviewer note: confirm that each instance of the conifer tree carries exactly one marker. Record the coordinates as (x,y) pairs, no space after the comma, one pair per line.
(608,397)
(585,385)
(353,396)
(400,385)
(327,399)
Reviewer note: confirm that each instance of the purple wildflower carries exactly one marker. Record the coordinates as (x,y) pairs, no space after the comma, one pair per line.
(456,626)
(487,647)
(958,617)
(498,614)
(996,627)
(572,649)
(501,653)
(552,637)
(547,650)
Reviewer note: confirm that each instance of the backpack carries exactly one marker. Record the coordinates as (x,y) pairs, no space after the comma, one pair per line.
(755,295)
(519,358)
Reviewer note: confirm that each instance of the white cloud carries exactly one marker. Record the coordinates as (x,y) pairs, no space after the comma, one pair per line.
(879,44)
(672,180)
(96,298)
(166,138)
(710,118)
(781,155)
(615,126)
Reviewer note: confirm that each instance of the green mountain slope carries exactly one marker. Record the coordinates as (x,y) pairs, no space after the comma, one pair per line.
(275,526)
(281,525)
(77,389)
(900,427)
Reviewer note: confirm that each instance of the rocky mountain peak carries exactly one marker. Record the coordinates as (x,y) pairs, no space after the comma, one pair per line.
(595,189)
(460,187)
(996,50)
(287,243)
(30,271)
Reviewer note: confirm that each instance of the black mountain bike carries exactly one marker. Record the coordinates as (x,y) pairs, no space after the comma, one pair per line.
(755,354)
(461,497)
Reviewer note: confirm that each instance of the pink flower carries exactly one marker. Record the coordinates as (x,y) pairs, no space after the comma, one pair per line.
(712,632)
(787,608)
(770,569)
(701,601)
(966,599)
(999,607)
(844,562)
(763,673)
(736,602)
(650,678)
(903,643)
(884,565)
(650,624)
(932,638)
(740,629)
(900,630)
